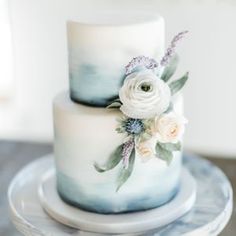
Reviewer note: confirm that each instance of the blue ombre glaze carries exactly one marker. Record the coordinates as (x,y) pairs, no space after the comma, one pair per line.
(71,192)
(94,86)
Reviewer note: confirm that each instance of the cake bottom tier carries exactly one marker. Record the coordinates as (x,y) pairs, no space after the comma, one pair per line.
(85,135)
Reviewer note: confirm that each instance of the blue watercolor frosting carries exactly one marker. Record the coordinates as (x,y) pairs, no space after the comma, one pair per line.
(94,86)
(153,195)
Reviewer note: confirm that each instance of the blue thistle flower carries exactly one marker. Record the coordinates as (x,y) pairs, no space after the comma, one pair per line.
(133,126)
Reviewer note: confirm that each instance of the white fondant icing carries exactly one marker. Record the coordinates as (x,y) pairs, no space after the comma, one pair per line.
(114,45)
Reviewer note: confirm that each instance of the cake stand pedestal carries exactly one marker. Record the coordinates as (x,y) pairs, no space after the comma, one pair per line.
(209,215)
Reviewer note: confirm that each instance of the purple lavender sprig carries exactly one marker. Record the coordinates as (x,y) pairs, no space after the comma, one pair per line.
(126,152)
(147,62)
(171,49)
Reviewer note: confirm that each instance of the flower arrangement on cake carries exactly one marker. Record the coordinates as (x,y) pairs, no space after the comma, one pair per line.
(149,123)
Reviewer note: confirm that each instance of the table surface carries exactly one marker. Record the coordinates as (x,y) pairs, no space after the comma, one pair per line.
(15,155)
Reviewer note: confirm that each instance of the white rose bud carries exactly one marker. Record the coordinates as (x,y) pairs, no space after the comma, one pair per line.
(145,152)
(146,149)
(169,128)
(144,95)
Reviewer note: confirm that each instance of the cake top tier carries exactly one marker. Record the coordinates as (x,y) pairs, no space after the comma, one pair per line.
(99,50)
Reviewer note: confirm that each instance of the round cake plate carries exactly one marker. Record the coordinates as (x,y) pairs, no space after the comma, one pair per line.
(209,215)
(116,223)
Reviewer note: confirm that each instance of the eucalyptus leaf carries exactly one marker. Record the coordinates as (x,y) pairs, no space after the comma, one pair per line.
(126,173)
(171,146)
(170,108)
(145,136)
(170,68)
(117,100)
(114,105)
(176,85)
(112,162)
(164,154)
(120,130)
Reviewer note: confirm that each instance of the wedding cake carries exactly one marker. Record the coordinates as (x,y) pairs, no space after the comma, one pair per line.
(118,131)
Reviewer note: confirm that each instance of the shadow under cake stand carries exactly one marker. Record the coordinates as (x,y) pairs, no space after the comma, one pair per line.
(209,215)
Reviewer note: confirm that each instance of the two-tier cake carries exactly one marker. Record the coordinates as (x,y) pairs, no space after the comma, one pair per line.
(118,130)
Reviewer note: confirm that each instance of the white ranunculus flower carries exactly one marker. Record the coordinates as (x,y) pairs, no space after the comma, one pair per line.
(144,95)
(169,128)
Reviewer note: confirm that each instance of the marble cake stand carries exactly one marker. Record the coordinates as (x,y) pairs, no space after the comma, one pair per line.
(209,215)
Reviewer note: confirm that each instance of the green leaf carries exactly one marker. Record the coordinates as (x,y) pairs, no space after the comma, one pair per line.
(117,100)
(171,146)
(120,130)
(164,154)
(126,173)
(112,162)
(114,105)
(145,136)
(170,108)
(176,85)
(170,68)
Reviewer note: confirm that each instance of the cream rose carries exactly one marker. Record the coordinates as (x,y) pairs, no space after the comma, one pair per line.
(145,150)
(169,128)
(144,95)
